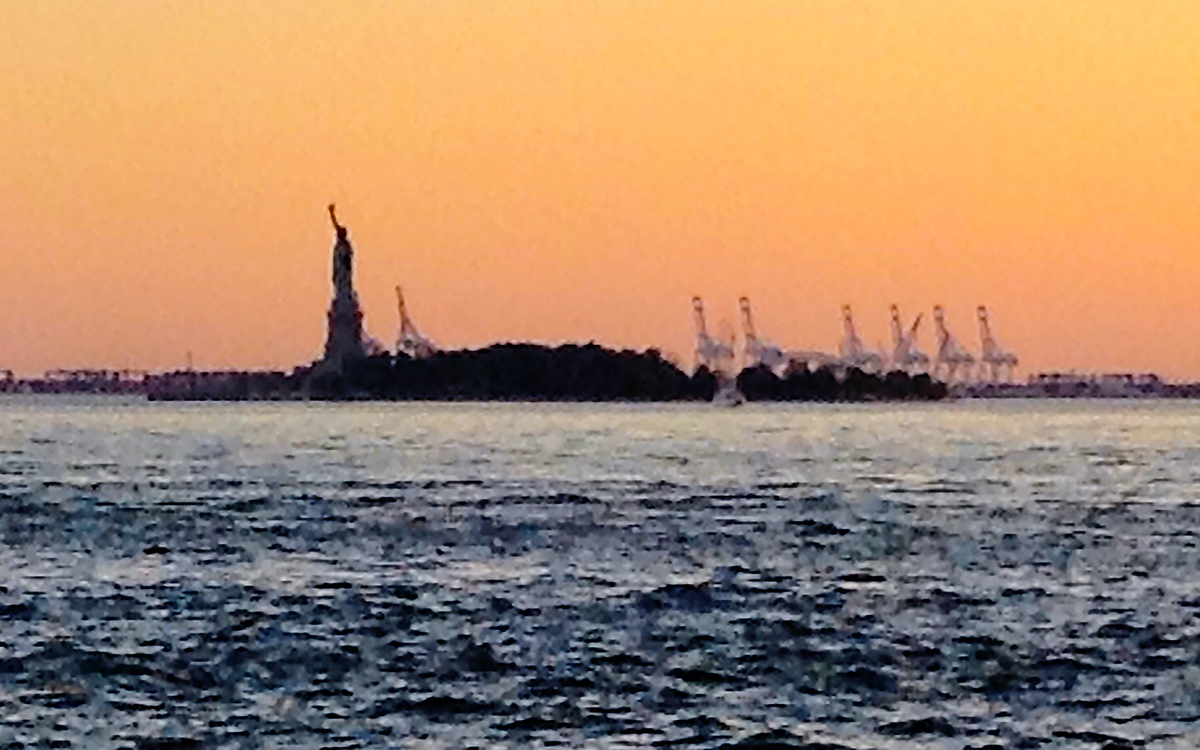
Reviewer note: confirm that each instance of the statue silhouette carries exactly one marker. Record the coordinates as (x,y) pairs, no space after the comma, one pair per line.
(345,336)
(343,259)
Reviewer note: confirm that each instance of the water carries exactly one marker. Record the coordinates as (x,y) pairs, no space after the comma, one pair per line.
(1012,575)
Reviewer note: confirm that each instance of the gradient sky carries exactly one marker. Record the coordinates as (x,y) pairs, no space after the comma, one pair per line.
(560,171)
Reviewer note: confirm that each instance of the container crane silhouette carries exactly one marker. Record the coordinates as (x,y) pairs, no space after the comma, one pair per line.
(409,340)
(853,352)
(905,354)
(996,362)
(951,355)
(712,353)
(757,351)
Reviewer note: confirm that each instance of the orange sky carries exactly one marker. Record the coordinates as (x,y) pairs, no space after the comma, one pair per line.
(577,170)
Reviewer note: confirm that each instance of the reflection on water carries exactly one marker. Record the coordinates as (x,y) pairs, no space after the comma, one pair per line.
(1014,575)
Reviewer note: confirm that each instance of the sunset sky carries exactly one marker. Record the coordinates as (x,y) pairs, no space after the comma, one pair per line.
(573,171)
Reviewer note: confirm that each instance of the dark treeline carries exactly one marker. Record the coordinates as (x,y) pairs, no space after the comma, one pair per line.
(517,372)
(824,384)
(530,372)
(223,385)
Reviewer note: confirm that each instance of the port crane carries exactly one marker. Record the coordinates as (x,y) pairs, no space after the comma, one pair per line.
(951,355)
(905,354)
(853,352)
(996,363)
(411,341)
(757,351)
(711,352)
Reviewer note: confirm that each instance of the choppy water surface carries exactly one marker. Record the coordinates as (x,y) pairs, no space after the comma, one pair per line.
(983,575)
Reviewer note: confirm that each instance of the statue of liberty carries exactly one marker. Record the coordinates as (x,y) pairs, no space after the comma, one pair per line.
(345,338)
(343,258)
